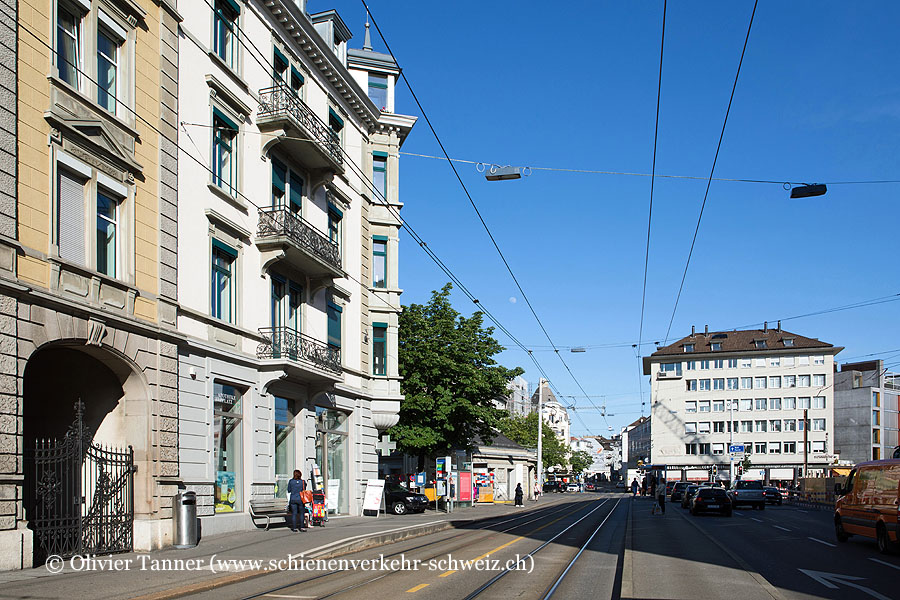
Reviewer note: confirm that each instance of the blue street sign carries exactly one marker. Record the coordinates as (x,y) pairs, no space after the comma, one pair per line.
(736,449)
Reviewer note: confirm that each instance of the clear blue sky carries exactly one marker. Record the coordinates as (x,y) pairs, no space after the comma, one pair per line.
(573,85)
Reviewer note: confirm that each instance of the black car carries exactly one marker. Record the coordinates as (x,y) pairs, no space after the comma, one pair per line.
(678,491)
(689,492)
(400,500)
(773,495)
(711,499)
(553,486)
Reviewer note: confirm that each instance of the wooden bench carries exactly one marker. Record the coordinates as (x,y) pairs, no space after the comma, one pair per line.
(269,507)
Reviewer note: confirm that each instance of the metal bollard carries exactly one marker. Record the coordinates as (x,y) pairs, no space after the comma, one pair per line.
(184,519)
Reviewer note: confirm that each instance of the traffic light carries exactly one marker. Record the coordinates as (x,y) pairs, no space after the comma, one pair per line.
(740,470)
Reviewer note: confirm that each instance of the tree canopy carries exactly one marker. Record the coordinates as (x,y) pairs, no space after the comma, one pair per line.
(450,378)
(580,461)
(523,430)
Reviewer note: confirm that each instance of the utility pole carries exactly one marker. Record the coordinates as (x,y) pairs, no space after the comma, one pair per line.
(731,442)
(540,456)
(805,443)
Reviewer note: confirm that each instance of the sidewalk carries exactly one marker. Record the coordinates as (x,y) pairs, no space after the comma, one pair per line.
(667,556)
(155,575)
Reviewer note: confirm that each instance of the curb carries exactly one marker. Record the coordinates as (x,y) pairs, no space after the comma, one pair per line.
(627,587)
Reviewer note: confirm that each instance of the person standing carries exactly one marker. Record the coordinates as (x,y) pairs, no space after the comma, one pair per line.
(295,486)
(634,487)
(520,495)
(661,495)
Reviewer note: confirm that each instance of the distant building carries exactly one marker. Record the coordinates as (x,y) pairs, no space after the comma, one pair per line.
(605,454)
(553,412)
(516,402)
(865,411)
(751,387)
(635,442)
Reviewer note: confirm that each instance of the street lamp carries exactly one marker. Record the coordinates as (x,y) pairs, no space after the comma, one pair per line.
(495,173)
(809,190)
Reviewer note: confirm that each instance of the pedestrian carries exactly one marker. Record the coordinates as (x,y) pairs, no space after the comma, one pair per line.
(294,487)
(661,495)
(653,486)
(520,495)
(644,486)
(634,487)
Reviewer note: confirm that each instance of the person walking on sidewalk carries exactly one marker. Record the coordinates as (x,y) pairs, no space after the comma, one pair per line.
(661,496)
(520,495)
(634,487)
(295,486)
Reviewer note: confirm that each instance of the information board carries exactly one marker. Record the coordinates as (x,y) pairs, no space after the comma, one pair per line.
(374,495)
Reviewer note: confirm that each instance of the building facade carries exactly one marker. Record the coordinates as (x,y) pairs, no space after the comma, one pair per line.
(553,412)
(867,421)
(288,245)
(88,276)
(751,387)
(635,447)
(604,452)
(517,401)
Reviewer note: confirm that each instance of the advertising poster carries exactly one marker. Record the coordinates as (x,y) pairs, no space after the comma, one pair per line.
(374,494)
(331,496)
(465,486)
(225,492)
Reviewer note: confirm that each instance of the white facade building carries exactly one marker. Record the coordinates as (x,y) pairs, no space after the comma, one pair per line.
(748,387)
(288,255)
(554,413)
(604,452)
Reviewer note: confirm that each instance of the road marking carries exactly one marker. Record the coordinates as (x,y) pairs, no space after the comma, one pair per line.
(798,510)
(755,519)
(887,564)
(738,513)
(417,588)
(821,542)
(289,596)
(829,580)
(780,527)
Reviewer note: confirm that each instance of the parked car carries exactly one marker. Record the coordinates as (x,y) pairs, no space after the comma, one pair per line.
(589,487)
(669,486)
(711,499)
(689,492)
(772,495)
(678,491)
(747,492)
(868,503)
(400,500)
(620,484)
(551,486)
(573,487)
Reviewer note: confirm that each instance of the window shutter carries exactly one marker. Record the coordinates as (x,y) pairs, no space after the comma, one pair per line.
(296,192)
(70,218)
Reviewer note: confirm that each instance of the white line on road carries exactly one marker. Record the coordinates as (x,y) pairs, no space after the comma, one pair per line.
(755,519)
(798,510)
(738,513)
(887,564)
(823,542)
(780,527)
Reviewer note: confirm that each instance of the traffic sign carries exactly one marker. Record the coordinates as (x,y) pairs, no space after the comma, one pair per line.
(736,449)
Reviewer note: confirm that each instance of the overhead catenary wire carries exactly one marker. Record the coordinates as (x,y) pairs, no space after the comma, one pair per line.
(469,196)
(711,172)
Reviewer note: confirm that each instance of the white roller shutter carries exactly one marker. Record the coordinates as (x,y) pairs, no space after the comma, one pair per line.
(70,218)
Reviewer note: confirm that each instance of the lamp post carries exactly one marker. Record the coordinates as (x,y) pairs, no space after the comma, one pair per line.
(540,456)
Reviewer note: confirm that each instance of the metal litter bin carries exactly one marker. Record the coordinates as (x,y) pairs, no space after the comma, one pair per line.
(184,517)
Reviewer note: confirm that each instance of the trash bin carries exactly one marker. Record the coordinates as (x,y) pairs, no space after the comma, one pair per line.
(184,517)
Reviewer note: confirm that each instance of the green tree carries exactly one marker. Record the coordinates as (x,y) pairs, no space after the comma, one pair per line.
(523,430)
(450,378)
(580,461)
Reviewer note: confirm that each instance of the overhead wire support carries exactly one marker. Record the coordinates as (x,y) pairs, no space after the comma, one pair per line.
(468,195)
(711,171)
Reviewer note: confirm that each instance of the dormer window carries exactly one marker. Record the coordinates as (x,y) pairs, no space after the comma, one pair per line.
(760,344)
(788,342)
(688,347)
(378,90)
(715,346)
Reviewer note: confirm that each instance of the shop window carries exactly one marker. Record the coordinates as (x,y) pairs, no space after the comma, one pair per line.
(227,411)
(284,444)
(332,458)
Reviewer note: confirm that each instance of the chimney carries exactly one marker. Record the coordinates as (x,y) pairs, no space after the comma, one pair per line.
(693,330)
(779,325)
(706,330)
(765,327)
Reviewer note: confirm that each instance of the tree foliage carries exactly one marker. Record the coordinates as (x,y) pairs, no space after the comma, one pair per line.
(450,378)
(523,430)
(580,461)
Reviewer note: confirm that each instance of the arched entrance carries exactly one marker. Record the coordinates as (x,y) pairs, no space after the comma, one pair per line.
(81,409)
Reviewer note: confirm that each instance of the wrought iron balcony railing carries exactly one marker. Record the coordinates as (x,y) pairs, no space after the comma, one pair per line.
(280,221)
(281,99)
(287,343)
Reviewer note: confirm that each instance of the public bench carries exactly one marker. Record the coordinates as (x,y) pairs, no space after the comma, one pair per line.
(268,508)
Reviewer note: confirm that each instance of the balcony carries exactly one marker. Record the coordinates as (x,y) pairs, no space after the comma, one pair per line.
(306,137)
(286,344)
(303,245)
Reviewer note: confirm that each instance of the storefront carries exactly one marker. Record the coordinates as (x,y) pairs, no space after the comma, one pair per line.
(332,458)
(285,443)
(227,431)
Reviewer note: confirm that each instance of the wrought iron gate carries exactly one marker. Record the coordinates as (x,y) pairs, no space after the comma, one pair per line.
(83,494)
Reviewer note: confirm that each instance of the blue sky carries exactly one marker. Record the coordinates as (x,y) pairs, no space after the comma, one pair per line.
(573,85)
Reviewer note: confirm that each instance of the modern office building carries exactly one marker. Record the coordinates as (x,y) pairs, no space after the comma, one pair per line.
(866,411)
(752,387)
(288,255)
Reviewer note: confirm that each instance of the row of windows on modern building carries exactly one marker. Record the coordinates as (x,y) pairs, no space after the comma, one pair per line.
(717,449)
(741,363)
(758,404)
(754,383)
(757,426)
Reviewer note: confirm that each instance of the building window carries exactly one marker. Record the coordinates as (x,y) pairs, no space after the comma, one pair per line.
(690,427)
(818,360)
(70,217)
(803,381)
(719,427)
(803,403)
(876,453)
(671,368)
(379,348)
(287,188)
(704,448)
(818,380)
(379,261)
(715,346)
(818,424)
(690,406)
(284,444)
(759,344)
(223,292)
(789,447)
(790,381)
(297,82)
(334,225)
(334,325)
(789,403)
(876,400)
(68,44)
(107,227)
(790,425)
(718,384)
(775,382)
(802,361)
(788,342)
(818,447)
(732,363)
(336,125)
(760,447)
(225,31)
(746,404)
(227,446)
(775,362)
(876,436)
(224,152)
(775,425)
(704,385)
(761,404)
(746,363)
(718,449)
(378,89)
(690,448)
(732,383)
(774,403)
(746,383)
(718,406)
(801,424)
(746,426)
(280,67)
(759,383)
(691,365)
(107,69)
(704,365)
(876,417)
(691,385)
(688,347)
(774,448)
(703,427)
(788,361)
(704,406)
(759,362)
(379,173)
(818,402)
(718,364)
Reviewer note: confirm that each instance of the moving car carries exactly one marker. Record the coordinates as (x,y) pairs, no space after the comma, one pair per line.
(772,495)
(747,492)
(669,486)
(399,500)
(589,487)
(689,492)
(552,486)
(678,491)
(620,484)
(868,503)
(572,487)
(711,499)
